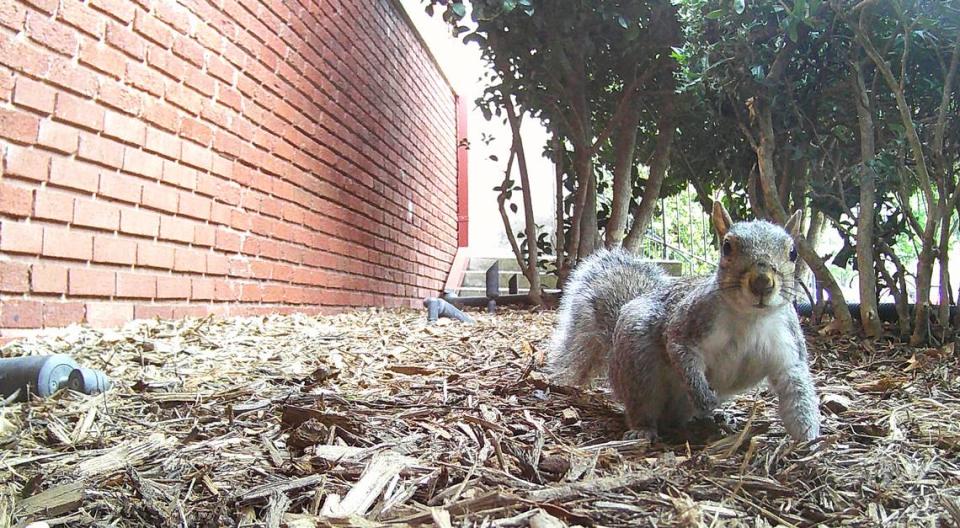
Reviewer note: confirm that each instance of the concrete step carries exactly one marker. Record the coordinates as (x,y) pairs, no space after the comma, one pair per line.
(477,278)
(469,291)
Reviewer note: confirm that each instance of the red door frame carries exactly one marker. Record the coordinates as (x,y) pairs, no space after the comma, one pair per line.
(462,213)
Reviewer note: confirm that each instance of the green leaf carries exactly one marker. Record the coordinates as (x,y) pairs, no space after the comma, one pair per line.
(459,9)
(739,6)
(429,9)
(493,157)
(513,207)
(714,15)
(622,21)
(509,5)
(792,30)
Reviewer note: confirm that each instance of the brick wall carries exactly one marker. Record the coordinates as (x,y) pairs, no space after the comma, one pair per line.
(173,158)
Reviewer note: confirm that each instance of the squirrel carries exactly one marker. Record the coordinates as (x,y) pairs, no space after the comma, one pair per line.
(674,348)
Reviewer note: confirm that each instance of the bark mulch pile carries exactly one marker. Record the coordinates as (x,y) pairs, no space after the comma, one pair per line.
(377,417)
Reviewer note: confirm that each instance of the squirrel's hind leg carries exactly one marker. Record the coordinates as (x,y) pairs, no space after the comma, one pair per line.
(638,370)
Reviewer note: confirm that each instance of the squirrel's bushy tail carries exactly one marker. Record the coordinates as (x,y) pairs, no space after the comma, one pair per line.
(595,291)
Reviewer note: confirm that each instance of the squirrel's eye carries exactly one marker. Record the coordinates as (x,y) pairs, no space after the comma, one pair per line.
(727,248)
(793,254)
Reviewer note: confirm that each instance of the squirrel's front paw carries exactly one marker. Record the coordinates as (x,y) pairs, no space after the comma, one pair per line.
(706,402)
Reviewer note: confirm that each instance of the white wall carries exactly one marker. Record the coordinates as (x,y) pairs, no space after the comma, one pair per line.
(463,66)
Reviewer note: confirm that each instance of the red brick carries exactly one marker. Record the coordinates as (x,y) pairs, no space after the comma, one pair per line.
(185,97)
(100,150)
(113,250)
(136,285)
(192,129)
(227,241)
(67,244)
(72,78)
(196,156)
(189,260)
(194,206)
(189,50)
(21,314)
(48,278)
(22,57)
(19,127)
(139,162)
(179,175)
(229,97)
(168,63)
(79,112)
(12,15)
(204,235)
(218,264)
(97,215)
(102,58)
(47,6)
(34,95)
(51,205)
(106,315)
(57,314)
(139,222)
(162,197)
(122,10)
(202,289)
(221,69)
(91,282)
(15,200)
(154,255)
(59,137)
(176,229)
(173,287)
(145,79)
(210,39)
(201,82)
(120,97)
(233,291)
(74,174)
(78,15)
(174,15)
(119,187)
(163,143)
(153,29)
(162,115)
(17,237)
(152,311)
(127,41)
(14,277)
(51,34)
(124,128)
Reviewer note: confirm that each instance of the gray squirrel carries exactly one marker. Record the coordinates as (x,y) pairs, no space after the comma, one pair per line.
(674,348)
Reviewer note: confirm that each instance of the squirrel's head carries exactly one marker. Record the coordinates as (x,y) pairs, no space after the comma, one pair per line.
(756,259)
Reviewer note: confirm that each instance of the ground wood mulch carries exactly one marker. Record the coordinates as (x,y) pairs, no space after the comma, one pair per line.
(379,418)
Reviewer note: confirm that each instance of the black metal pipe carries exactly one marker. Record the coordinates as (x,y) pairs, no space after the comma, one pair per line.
(886,311)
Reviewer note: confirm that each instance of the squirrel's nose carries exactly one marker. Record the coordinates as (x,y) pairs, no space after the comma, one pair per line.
(761,284)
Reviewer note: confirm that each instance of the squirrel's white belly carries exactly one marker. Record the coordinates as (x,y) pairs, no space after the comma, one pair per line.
(740,352)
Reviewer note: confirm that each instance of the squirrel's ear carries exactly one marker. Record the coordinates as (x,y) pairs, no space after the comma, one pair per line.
(721,219)
(793,223)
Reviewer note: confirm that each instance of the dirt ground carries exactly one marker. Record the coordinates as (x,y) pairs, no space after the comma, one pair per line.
(377,417)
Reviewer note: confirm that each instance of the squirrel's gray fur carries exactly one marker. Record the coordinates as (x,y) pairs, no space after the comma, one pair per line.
(674,348)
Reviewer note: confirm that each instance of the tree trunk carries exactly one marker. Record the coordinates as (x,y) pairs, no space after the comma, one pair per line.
(531,270)
(765,154)
(658,171)
(560,246)
(898,289)
(624,147)
(869,317)
(589,231)
(943,257)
